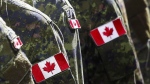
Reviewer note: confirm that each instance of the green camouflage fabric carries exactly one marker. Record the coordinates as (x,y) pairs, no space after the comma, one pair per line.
(138,21)
(37,37)
(5,57)
(12,63)
(111,63)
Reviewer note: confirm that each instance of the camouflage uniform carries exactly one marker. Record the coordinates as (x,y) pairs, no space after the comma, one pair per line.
(139,25)
(112,63)
(15,62)
(38,37)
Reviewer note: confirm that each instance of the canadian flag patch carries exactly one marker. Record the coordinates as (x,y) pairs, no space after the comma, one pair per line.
(49,67)
(108,32)
(74,24)
(17,43)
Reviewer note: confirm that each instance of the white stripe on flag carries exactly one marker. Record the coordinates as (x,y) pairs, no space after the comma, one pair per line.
(51,73)
(103,29)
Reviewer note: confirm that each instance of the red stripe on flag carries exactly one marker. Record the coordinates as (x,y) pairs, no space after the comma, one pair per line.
(71,24)
(78,24)
(119,27)
(97,37)
(61,61)
(36,72)
(19,40)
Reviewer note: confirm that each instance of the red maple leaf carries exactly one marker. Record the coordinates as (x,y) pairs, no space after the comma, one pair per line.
(49,67)
(108,31)
(74,23)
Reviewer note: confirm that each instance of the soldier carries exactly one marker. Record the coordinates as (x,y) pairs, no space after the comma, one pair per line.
(103,64)
(15,62)
(38,36)
(138,13)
